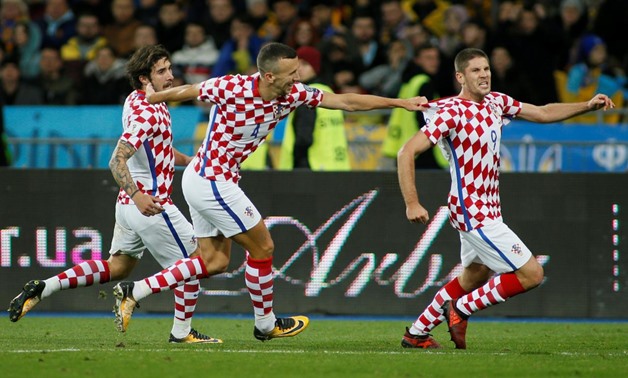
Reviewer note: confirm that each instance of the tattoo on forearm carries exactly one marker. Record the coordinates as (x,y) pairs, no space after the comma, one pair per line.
(120,169)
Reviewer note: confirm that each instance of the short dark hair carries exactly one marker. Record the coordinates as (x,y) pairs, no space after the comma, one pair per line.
(462,59)
(271,53)
(142,61)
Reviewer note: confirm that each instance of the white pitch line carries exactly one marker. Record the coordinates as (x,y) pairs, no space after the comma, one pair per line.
(294,351)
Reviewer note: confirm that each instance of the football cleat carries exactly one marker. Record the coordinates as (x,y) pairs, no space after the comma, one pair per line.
(415,341)
(195,337)
(284,327)
(125,305)
(26,300)
(457,323)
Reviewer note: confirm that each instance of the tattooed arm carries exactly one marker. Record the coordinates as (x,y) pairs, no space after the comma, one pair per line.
(148,205)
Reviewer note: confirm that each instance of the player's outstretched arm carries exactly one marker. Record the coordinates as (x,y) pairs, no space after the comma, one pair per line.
(562,111)
(359,102)
(184,92)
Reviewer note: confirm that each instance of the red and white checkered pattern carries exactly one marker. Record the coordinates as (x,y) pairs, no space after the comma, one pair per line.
(184,270)
(470,133)
(490,294)
(259,281)
(86,273)
(240,120)
(147,128)
(433,314)
(185,298)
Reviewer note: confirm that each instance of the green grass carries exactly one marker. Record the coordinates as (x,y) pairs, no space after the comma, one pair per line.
(90,347)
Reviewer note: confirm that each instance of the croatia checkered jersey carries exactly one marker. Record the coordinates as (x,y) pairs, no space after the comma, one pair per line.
(147,128)
(240,121)
(469,134)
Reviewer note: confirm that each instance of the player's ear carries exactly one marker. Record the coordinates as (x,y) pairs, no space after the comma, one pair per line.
(269,77)
(144,80)
(459,78)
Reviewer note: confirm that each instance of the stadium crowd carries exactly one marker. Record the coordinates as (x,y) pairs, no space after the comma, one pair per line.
(72,52)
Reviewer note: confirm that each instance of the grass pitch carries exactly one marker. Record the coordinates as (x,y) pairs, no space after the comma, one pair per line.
(43,347)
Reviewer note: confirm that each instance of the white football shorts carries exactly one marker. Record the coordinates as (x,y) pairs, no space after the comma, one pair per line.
(217,207)
(494,245)
(168,236)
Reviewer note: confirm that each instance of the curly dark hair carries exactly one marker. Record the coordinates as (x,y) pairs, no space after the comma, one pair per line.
(142,62)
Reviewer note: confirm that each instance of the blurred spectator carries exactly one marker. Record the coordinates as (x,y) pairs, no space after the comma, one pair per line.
(82,48)
(145,35)
(506,77)
(238,54)
(533,40)
(197,57)
(14,90)
(120,33)
(286,15)
(385,80)
(573,19)
(342,63)
(612,26)
(418,80)
(260,15)
(171,25)
(58,88)
(473,34)
(105,80)
(303,33)
(451,39)
(314,138)
(394,20)
(417,35)
(324,18)
(218,20)
(27,50)
(592,75)
(364,37)
(12,13)
(88,39)
(58,24)
(147,11)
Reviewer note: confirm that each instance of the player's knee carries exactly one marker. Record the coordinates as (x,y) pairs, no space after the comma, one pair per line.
(532,276)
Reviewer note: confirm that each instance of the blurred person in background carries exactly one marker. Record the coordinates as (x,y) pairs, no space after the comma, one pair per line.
(120,32)
(14,90)
(58,87)
(104,81)
(58,24)
(314,139)
(26,51)
(13,13)
(217,20)
(385,79)
(237,55)
(303,33)
(419,79)
(506,77)
(363,33)
(171,25)
(593,74)
(82,48)
(197,57)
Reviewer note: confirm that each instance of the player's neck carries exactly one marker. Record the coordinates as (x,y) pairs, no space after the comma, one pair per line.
(465,95)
